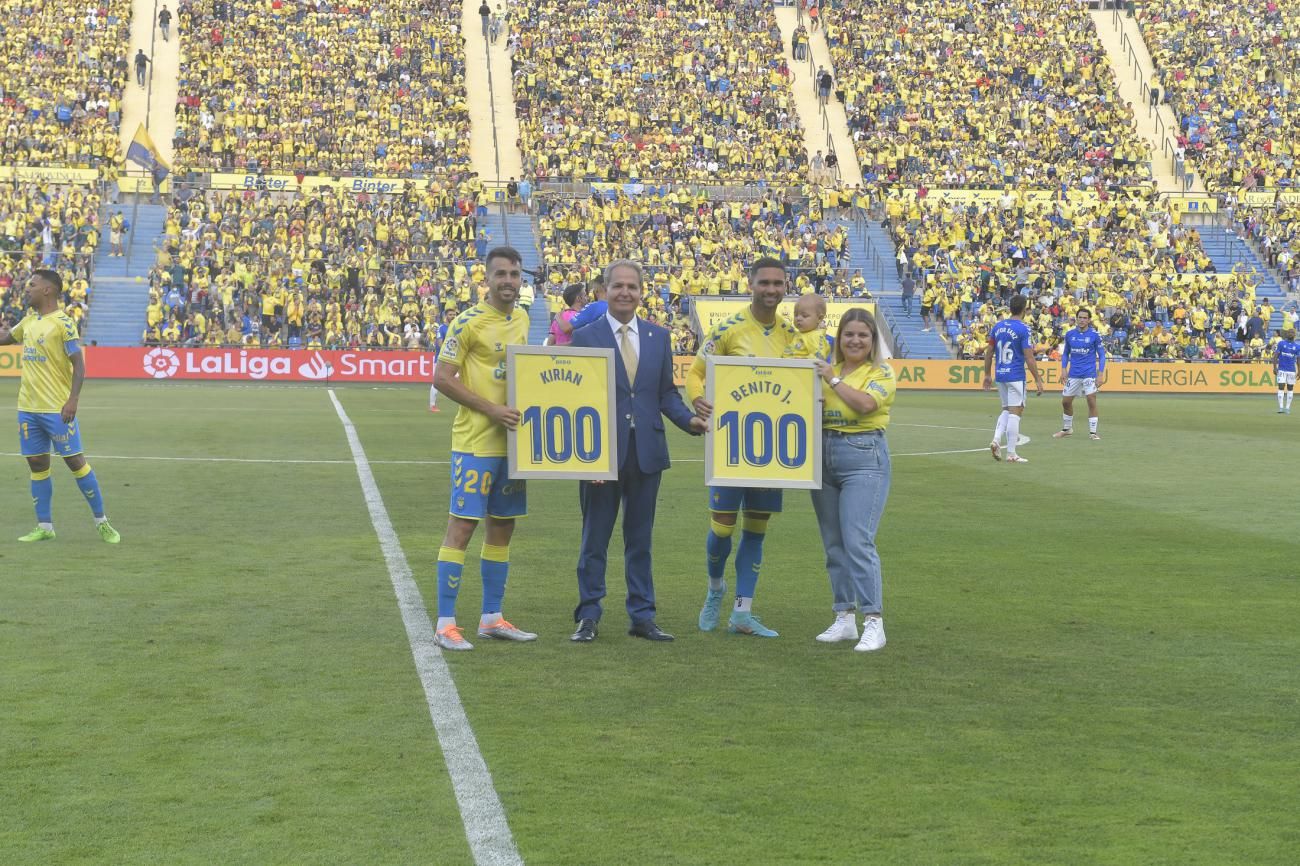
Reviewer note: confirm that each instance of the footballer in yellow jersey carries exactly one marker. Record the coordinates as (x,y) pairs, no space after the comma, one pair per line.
(758,331)
(471,370)
(53,370)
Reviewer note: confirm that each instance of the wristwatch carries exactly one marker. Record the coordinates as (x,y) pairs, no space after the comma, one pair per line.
(835,380)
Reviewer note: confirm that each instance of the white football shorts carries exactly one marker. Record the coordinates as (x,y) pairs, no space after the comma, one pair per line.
(1286,377)
(1012,393)
(1074,387)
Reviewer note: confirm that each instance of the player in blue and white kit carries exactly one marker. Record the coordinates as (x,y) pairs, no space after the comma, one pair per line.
(1083,360)
(440,337)
(1012,346)
(1284,361)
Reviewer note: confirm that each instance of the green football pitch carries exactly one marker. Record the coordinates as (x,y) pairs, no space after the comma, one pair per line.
(1093,658)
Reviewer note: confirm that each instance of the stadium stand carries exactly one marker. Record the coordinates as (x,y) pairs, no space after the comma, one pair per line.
(1156,291)
(325,268)
(43,226)
(692,91)
(322,88)
(948,95)
(60,108)
(61,97)
(1222,68)
(694,245)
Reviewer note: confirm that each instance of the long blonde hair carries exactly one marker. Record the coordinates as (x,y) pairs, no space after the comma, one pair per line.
(856,314)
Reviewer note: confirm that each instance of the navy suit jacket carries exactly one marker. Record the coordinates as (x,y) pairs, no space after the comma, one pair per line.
(651,396)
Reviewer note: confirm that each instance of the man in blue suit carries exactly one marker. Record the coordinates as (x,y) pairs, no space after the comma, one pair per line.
(644,391)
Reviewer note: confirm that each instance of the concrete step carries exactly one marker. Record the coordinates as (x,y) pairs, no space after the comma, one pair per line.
(873,251)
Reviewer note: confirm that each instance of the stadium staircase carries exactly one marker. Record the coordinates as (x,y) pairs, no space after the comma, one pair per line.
(1226,249)
(516,230)
(873,251)
(121,292)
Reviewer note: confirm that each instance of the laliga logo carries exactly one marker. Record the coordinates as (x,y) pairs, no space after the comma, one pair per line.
(316,368)
(161,363)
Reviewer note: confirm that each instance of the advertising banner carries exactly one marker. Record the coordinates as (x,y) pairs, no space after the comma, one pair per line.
(1151,377)
(258,365)
(1120,376)
(11,362)
(565,398)
(765,430)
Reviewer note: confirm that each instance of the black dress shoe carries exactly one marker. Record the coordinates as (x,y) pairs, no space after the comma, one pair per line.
(649,631)
(586,632)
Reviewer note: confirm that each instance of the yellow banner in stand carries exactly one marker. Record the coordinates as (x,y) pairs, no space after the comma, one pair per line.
(565,399)
(709,312)
(765,430)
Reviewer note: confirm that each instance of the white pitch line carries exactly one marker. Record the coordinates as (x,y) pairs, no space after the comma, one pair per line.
(936,426)
(490,841)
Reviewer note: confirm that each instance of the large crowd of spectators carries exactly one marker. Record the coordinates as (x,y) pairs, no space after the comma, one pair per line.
(1155,290)
(47,227)
(687,90)
(323,86)
(945,93)
(325,268)
(1228,71)
(61,88)
(694,246)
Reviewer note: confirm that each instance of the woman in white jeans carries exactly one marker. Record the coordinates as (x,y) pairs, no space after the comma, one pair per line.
(858,391)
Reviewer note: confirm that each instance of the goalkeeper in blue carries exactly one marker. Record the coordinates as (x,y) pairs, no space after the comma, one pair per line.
(1083,360)
(1284,361)
(53,370)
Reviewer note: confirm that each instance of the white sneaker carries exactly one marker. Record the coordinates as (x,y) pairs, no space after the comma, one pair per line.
(996,449)
(1016,458)
(1094,437)
(873,635)
(502,630)
(844,628)
(450,638)
(1061,434)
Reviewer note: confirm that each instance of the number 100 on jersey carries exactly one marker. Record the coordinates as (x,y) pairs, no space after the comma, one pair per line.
(565,399)
(766,425)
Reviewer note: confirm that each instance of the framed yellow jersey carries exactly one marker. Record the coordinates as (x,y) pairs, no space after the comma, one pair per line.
(765,430)
(565,399)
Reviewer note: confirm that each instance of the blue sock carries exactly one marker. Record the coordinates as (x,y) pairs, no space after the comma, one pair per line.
(749,556)
(718,548)
(451,562)
(42,496)
(494,566)
(89,485)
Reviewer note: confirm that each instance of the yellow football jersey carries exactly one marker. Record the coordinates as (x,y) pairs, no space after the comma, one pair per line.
(810,344)
(476,345)
(878,381)
(740,336)
(48,342)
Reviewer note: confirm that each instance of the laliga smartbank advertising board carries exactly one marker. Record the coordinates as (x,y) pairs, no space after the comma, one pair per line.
(259,365)
(709,312)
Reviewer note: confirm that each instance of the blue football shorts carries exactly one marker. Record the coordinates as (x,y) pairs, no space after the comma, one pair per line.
(729,500)
(45,433)
(480,488)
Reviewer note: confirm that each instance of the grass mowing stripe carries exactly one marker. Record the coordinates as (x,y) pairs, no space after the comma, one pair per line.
(480,808)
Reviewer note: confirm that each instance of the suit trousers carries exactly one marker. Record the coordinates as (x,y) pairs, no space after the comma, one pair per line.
(637,493)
